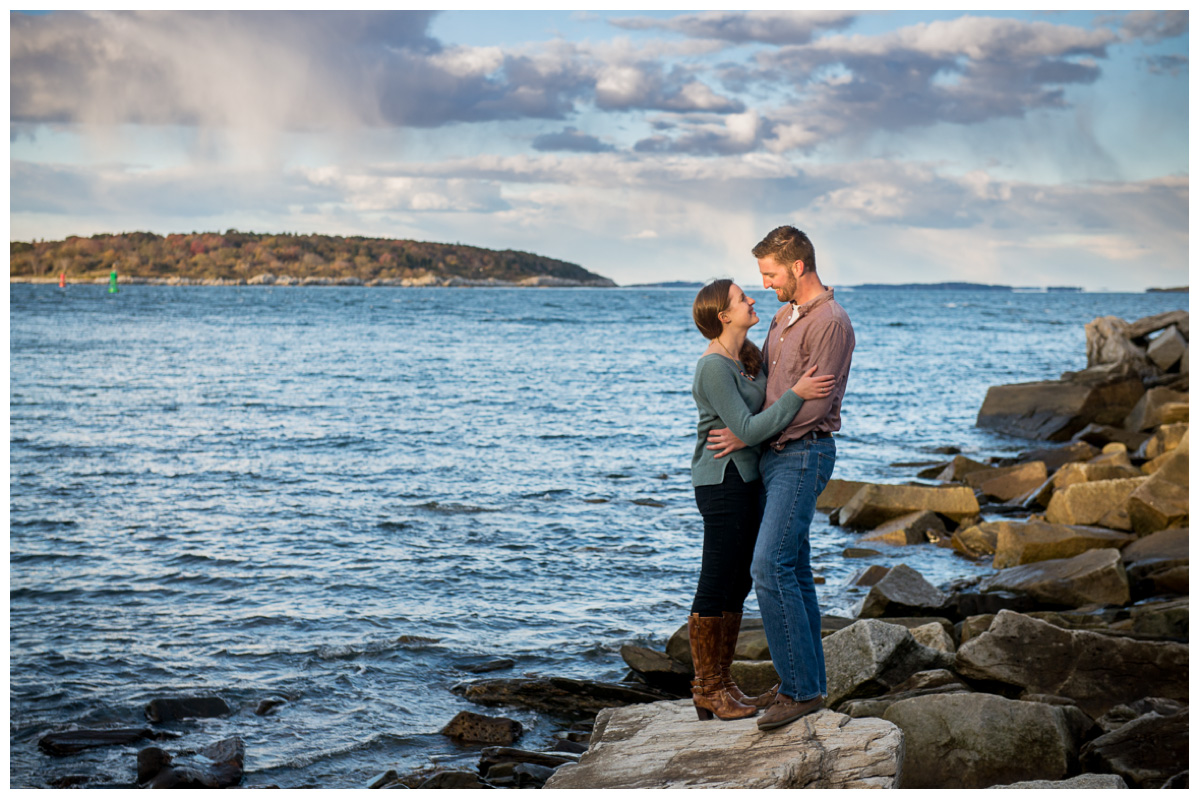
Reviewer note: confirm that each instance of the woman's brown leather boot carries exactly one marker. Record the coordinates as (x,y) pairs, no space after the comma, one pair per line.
(709,695)
(733,624)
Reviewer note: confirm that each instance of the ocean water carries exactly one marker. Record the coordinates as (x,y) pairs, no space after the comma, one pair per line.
(344,496)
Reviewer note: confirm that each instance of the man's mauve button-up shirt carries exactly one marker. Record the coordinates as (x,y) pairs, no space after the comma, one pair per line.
(822,335)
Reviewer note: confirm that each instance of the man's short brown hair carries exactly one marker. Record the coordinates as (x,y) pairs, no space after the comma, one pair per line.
(787,246)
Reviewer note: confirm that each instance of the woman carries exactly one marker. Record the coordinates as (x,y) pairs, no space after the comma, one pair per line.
(729,389)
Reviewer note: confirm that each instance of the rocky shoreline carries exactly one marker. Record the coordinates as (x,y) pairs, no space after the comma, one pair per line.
(1065,667)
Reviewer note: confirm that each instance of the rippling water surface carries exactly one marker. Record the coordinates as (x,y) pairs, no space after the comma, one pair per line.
(343,496)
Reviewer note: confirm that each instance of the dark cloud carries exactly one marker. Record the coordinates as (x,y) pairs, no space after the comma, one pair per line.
(311,71)
(1170,65)
(768,27)
(1154,26)
(963,71)
(422,93)
(570,140)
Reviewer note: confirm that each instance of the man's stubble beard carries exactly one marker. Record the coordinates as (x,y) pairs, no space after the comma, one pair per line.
(787,293)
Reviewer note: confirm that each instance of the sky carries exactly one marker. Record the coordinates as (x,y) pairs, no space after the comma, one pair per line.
(1020,148)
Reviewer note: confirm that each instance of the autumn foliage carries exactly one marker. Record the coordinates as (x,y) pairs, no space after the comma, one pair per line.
(234,255)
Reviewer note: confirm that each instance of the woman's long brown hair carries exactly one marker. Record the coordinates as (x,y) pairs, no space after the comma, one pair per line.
(710,302)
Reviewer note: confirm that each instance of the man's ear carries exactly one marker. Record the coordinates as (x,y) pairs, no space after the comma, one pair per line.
(797,268)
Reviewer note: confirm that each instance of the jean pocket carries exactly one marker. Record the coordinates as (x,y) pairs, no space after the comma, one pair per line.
(825,462)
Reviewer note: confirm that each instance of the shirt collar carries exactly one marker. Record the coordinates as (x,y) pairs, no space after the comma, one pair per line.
(798,311)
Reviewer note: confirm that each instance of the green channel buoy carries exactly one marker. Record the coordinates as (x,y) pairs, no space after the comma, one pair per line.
(112,282)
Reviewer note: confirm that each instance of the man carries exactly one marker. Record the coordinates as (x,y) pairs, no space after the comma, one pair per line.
(811,329)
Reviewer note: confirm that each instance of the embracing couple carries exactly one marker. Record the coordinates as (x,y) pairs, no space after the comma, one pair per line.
(770,416)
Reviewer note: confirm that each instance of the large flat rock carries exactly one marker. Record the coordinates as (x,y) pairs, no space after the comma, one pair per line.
(837,493)
(972,741)
(1094,502)
(1096,670)
(1057,410)
(1027,542)
(1096,576)
(875,504)
(664,746)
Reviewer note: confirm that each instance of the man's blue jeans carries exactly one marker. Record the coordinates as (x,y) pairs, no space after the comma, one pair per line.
(792,477)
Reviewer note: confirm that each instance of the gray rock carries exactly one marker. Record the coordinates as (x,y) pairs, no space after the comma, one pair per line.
(491,756)
(664,746)
(1057,410)
(217,766)
(1166,620)
(171,709)
(972,741)
(455,779)
(1055,457)
(383,779)
(1167,349)
(871,656)
(934,681)
(1145,752)
(1179,781)
(970,604)
(268,706)
(1109,342)
(532,776)
(754,677)
(959,468)
(470,727)
(1168,545)
(556,695)
(903,592)
(935,636)
(658,669)
(1148,325)
(68,743)
(1088,781)
(1119,716)
(1096,576)
(1096,670)
(1102,435)
(488,665)
(868,576)
(1151,409)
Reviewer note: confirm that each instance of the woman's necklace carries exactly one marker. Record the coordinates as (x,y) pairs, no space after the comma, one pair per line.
(741,372)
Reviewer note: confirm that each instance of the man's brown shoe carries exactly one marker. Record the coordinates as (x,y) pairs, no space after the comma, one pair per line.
(785,710)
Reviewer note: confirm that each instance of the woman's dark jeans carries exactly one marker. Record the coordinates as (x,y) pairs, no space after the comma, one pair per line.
(732,511)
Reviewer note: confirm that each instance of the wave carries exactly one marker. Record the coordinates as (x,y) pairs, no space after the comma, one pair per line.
(454,508)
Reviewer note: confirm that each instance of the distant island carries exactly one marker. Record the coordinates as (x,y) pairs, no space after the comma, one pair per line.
(238,258)
(1172,289)
(963,287)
